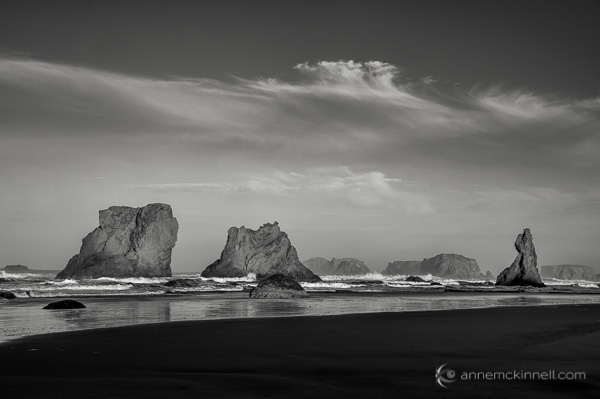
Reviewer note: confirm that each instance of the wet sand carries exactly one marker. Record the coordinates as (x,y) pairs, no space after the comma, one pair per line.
(378,355)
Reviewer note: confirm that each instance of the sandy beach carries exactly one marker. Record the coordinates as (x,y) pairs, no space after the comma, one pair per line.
(386,355)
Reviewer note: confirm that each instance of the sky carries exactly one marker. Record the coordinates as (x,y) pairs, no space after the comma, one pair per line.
(380,130)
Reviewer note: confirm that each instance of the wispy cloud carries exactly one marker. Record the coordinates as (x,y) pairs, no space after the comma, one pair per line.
(364,114)
(367,189)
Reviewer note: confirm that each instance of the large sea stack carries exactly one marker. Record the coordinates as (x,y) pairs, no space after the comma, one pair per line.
(403,267)
(130,242)
(265,252)
(523,270)
(451,266)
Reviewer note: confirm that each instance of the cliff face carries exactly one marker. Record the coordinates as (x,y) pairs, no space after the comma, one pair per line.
(403,267)
(340,267)
(569,272)
(451,266)
(523,270)
(130,242)
(264,252)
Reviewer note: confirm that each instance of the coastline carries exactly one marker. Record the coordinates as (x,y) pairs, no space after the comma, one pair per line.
(26,316)
(354,355)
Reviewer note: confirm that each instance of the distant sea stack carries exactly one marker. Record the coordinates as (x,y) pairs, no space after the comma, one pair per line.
(451,266)
(350,267)
(320,266)
(403,267)
(16,269)
(264,252)
(337,267)
(569,272)
(130,242)
(523,270)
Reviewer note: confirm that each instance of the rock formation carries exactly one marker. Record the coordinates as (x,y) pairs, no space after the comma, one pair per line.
(16,269)
(65,304)
(340,267)
(415,279)
(7,295)
(320,266)
(278,286)
(569,272)
(451,266)
(489,275)
(264,252)
(130,242)
(403,267)
(523,270)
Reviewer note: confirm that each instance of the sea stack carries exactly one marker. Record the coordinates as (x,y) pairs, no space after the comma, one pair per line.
(130,242)
(451,266)
(523,270)
(402,267)
(265,252)
(339,267)
(569,272)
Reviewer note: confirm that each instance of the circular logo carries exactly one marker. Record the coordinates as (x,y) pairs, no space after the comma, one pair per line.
(444,376)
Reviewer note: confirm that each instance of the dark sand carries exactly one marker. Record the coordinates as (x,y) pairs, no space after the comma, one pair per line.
(382,355)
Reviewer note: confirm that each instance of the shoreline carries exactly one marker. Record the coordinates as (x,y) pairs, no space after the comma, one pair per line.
(351,355)
(25,317)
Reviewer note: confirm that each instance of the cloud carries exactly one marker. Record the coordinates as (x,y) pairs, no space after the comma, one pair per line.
(332,184)
(369,112)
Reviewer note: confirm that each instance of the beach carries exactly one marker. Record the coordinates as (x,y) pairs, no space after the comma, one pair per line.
(385,355)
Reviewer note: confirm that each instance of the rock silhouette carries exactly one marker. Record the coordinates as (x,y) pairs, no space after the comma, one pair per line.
(523,270)
(65,304)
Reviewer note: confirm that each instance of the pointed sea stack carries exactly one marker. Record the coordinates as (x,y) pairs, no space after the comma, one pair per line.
(265,252)
(130,242)
(523,270)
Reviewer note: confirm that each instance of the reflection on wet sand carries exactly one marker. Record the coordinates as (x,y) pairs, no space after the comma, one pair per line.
(24,316)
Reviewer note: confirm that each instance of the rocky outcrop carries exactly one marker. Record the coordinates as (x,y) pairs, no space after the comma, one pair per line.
(130,242)
(402,267)
(489,275)
(16,269)
(451,266)
(350,267)
(415,279)
(523,270)
(65,304)
(278,286)
(7,295)
(265,252)
(339,267)
(320,266)
(568,272)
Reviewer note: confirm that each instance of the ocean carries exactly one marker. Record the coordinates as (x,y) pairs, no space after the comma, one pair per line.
(113,302)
